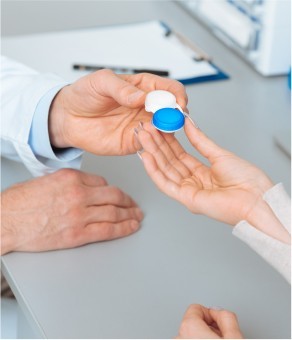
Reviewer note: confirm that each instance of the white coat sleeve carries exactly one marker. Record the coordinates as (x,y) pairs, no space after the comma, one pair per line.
(21,90)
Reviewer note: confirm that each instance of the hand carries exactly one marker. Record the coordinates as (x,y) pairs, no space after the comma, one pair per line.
(65,209)
(200,322)
(229,189)
(98,112)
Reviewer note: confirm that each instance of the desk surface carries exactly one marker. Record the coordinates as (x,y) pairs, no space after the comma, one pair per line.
(140,286)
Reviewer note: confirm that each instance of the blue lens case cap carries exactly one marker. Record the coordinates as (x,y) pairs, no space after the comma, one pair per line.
(168,120)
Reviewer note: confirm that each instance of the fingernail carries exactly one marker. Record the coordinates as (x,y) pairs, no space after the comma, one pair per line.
(136,132)
(216,308)
(136,136)
(139,154)
(191,120)
(135,96)
(138,128)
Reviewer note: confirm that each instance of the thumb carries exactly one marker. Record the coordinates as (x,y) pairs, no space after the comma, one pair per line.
(202,143)
(124,93)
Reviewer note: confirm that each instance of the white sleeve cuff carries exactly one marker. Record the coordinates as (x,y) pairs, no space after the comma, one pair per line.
(280,202)
(276,253)
(39,139)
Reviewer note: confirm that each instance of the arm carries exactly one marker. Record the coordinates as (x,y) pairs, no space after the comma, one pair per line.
(21,92)
(97,113)
(229,189)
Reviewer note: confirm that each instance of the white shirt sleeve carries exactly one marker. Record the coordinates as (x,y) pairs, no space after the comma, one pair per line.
(276,253)
(39,139)
(22,88)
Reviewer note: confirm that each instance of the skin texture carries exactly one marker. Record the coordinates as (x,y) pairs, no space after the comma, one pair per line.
(200,322)
(98,112)
(66,209)
(228,189)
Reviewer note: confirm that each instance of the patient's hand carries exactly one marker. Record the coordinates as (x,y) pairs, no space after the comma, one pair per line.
(200,322)
(229,189)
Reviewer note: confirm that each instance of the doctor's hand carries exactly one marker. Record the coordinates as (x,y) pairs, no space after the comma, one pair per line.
(229,189)
(98,112)
(200,322)
(65,209)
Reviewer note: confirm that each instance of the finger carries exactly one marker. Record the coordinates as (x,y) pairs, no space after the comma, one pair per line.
(109,195)
(150,82)
(195,324)
(202,143)
(149,145)
(215,329)
(227,323)
(92,180)
(111,85)
(163,183)
(167,143)
(111,213)
(197,311)
(188,164)
(108,231)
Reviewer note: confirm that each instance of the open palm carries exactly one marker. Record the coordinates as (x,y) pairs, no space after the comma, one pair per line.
(228,189)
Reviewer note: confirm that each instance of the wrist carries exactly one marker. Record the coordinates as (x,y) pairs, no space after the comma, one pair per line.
(7,242)
(9,235)
(264,183)
(56,121)
(262,217)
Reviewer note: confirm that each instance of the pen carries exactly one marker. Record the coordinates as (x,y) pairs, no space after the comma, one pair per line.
(162,73)
(201,54)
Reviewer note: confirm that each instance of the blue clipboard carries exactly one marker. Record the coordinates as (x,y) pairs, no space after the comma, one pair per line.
(220,75)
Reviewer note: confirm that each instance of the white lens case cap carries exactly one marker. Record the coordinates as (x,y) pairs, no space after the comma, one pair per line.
(159,99)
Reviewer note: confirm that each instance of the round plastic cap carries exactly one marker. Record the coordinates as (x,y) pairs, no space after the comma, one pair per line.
(168,120)
(159,99)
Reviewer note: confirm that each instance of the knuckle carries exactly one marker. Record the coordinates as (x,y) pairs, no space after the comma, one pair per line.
(124,90)
(76,195)
(68,174)
(117,194)
(75,217)
(70,236)
(225,314)
(102,181)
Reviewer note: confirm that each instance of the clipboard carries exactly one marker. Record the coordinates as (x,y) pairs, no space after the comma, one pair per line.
(199,57)
(150,45)
(140,45)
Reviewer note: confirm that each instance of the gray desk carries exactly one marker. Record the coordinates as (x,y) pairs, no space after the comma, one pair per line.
(140,286)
